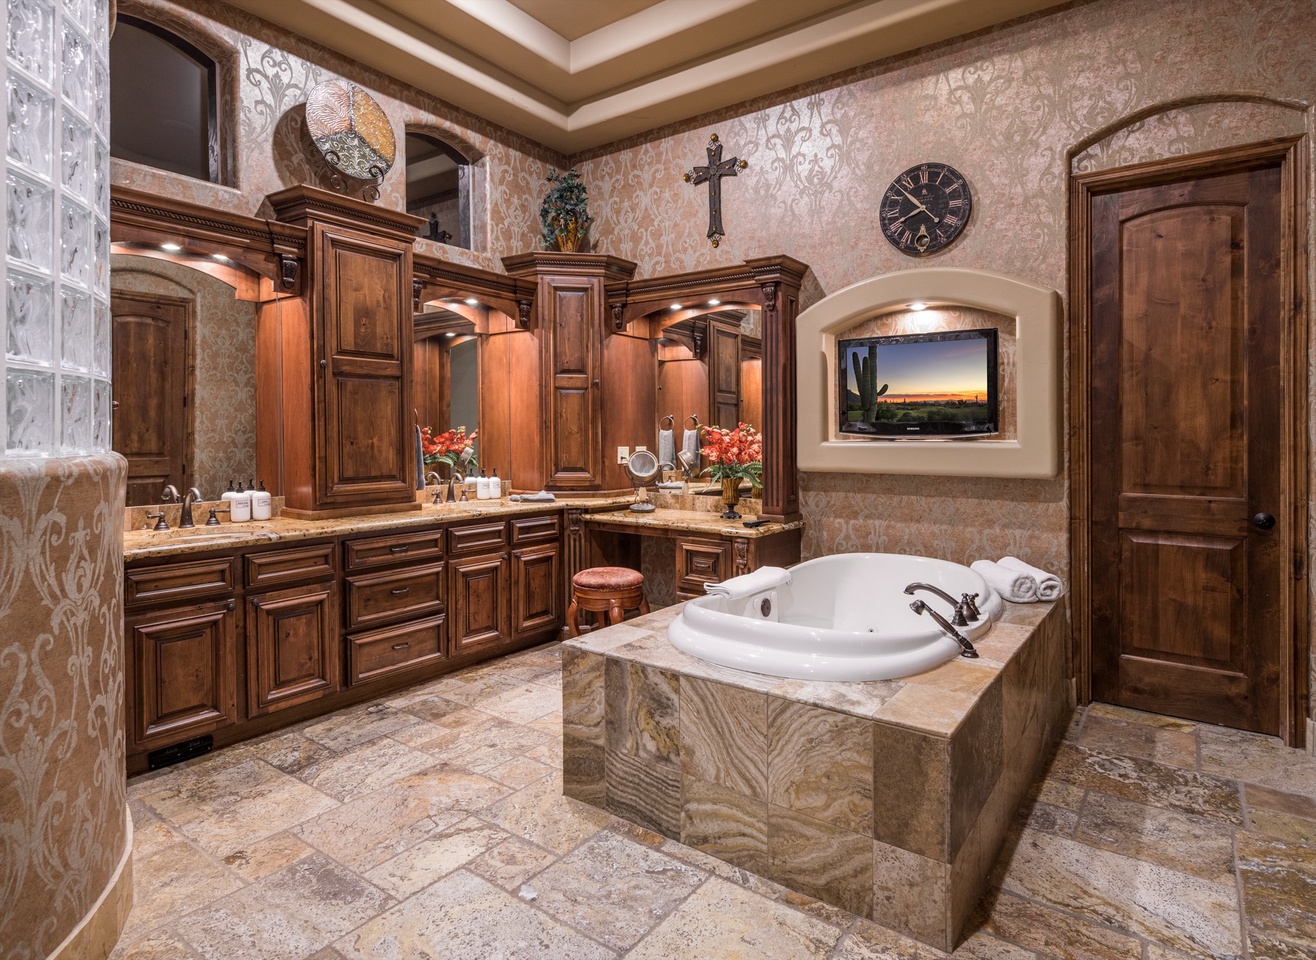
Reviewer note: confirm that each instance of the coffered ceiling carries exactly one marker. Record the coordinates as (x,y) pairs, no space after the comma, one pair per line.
(574,74)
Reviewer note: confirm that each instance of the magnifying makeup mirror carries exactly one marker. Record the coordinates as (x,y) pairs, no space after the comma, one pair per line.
(643,468)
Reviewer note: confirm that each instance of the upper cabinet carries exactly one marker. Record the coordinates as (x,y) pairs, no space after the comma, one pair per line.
(337,366)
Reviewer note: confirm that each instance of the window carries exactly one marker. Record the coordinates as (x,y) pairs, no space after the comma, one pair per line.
(439,189)
(162,101)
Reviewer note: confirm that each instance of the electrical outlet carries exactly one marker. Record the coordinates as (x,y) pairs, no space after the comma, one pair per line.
(623,454)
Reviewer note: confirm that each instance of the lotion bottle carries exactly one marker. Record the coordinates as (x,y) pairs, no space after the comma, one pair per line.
(482,487)
(230,493)
(495,486)
(240,506)
(260,503)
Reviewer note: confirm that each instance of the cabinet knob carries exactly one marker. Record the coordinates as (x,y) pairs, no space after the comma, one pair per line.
(323,364)
(232,605)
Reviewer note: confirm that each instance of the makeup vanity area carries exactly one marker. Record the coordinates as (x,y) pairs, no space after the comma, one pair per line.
(361,584)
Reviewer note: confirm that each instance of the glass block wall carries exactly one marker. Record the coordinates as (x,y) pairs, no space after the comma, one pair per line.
(56,201)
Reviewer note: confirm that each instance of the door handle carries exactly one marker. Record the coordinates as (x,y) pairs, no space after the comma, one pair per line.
(1262,521)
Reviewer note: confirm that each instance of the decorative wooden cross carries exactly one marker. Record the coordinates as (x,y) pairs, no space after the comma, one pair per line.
(713,173)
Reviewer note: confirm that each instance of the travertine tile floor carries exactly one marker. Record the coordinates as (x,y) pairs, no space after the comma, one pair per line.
(431,824)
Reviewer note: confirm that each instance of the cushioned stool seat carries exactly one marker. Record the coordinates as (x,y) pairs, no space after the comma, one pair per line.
(609,590)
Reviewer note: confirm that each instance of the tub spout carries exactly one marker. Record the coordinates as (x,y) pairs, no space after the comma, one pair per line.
(919,607)
(964,613)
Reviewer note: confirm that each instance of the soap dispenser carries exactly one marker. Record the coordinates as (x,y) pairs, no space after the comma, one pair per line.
(230,493)
(482,487)
(260,503)
(495,486)
(240,506)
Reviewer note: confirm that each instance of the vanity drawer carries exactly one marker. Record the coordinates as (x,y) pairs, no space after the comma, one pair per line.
(178,582)
(367,552)
(380,653)
(379,598)
(699,562)
(477,538)
(294,565)
(534,529)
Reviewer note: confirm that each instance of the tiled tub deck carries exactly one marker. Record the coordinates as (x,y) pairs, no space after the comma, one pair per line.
(890,799)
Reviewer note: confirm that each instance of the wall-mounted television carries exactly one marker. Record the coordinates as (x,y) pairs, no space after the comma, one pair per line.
(917,385)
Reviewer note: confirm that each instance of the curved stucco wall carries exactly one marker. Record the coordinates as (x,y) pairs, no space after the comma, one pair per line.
(65,877)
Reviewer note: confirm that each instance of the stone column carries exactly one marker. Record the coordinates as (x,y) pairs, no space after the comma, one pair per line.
(65,835)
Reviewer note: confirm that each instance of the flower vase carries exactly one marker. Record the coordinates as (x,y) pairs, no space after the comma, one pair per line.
(569,239)
(730,497)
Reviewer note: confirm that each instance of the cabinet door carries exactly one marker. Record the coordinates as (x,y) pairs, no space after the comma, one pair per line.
(183,670)
(480,608)
(575,445)
(364,325)
(292,647)
(699,562)
(536,590)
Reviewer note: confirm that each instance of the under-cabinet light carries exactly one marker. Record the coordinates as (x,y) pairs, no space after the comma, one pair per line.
(918,305)
(170,247)
(471,302)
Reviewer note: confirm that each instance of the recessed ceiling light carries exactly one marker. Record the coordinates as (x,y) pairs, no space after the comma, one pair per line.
(714,303)
(472,302)
(676,306)
(918,305)
(450,334)
(170,247)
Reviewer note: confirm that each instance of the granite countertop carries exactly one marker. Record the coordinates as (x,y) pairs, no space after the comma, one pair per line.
(141,544)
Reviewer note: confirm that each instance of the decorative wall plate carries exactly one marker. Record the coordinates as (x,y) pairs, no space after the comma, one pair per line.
(351,130)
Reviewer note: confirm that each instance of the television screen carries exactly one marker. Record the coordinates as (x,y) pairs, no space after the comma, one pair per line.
(924,384)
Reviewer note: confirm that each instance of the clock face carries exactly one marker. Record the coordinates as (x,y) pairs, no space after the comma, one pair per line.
(925,208)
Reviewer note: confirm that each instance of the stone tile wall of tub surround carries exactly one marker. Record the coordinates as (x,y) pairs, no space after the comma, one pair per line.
(63,807)
(889,799)
(273,71)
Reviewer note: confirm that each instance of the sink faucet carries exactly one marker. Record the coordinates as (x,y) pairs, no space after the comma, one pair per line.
(191,497)
(438,480)
(919,607)
(966,611)
(170,494)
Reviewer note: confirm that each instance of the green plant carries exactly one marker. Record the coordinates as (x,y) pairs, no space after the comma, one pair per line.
(564,214)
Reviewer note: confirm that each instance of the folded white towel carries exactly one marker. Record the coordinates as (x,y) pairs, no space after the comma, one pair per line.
(543,496)
(738,588)
(1012,585)
(1049,586)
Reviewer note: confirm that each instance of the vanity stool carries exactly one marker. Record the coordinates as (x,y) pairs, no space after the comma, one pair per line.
(607,590)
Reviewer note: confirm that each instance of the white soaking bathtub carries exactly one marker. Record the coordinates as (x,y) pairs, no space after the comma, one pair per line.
(843,617)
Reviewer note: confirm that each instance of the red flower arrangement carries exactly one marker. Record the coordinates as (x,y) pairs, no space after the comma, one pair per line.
(446,447)
(734,454)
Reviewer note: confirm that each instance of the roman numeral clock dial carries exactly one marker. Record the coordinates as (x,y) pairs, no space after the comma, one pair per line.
(925,209)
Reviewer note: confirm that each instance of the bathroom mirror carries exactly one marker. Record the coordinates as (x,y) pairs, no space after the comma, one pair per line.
(184,376)
(710,368)
(446,372)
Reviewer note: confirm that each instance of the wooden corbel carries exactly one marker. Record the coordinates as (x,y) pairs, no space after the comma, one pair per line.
(416,287)
(290,269)
(619,317)
(523,313)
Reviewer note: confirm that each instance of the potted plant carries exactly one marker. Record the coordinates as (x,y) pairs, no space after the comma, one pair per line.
(564,214)
(447,447)
(733,456)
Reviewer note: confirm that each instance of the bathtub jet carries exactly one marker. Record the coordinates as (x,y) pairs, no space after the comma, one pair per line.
(843,617)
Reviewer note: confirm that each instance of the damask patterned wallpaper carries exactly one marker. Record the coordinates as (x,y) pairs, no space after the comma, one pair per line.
(273,71)
(223,355)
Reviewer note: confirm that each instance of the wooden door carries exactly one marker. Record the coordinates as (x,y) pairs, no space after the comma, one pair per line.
(151,393)
(724,373)
(292,647)
(1187,448)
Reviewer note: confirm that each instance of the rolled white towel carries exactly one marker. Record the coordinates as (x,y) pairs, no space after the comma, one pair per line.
(1012,585)
(738,588)
(1049,586)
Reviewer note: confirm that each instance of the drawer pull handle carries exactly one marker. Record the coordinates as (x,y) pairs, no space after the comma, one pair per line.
(401,646)
(399,548)
(399,591)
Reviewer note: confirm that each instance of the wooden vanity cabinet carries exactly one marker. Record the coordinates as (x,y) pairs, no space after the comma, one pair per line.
(291,629)
(537,584)
(480,572)
(180,628)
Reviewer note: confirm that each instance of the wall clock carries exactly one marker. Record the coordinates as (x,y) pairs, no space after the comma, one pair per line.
(925,208)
